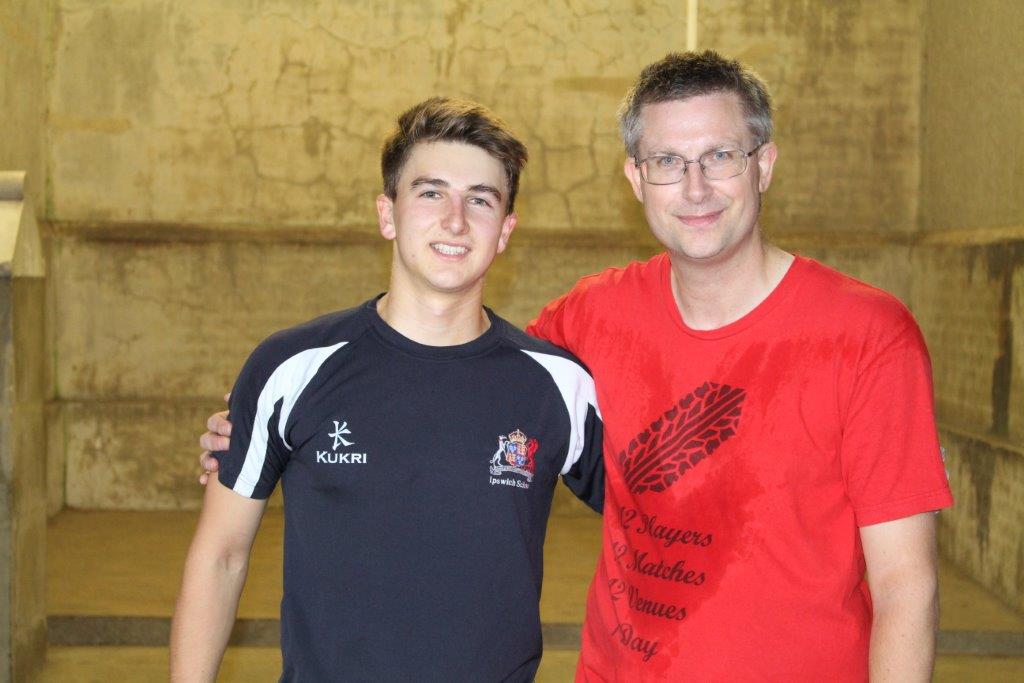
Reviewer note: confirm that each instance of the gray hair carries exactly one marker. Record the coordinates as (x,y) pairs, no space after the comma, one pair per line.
(680,76)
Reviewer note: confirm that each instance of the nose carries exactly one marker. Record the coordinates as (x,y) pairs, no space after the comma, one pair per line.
(455,219)
(695,185)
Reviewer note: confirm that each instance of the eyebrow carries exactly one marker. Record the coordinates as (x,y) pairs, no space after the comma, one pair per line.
(486,188)
(479,187)
(710,148)
(423,180)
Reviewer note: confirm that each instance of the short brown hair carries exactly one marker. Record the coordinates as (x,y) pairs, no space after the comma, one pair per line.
(441,119)
(680,76)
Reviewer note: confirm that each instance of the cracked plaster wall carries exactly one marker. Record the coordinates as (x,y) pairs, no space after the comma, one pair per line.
(271,113)
(846,79)
(212,167)
(968,289)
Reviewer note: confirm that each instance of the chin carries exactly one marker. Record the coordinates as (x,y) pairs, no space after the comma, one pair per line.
(453,286)
(697,250)
(701,253)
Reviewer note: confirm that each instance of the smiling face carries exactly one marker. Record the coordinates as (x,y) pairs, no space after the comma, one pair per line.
(447,220)
(700,220)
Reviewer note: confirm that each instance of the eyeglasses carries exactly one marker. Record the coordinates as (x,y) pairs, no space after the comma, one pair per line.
(717,164)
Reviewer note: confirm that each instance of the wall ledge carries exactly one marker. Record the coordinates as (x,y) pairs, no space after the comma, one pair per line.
(358,235)
(957,237)
(626,235)
(994,442)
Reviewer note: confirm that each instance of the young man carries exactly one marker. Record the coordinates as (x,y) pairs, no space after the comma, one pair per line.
(769,430)
(417,439)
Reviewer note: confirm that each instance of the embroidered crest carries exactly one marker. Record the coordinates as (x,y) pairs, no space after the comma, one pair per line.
(515,455)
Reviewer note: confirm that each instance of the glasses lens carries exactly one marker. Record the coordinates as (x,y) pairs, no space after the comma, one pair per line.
(663,170)
(719,164)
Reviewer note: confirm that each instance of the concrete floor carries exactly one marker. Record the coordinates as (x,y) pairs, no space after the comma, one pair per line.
(113,577)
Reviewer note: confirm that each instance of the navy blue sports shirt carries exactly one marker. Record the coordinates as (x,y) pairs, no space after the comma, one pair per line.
(417,483)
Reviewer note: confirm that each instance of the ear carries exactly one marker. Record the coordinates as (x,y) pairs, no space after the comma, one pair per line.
(507,226)
(636,180)
(766,157)
(386,216)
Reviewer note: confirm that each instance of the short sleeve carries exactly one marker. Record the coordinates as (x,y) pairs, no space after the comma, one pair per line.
(553,323)
(890,451)
(265,394)
(583,469)
(256,456)
(585,477)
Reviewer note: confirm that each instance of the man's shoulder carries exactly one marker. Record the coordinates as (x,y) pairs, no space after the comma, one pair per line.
(528,344)
(612,290)
(323,333)
(611,297)
(558,361)
(851,300)
(621,279)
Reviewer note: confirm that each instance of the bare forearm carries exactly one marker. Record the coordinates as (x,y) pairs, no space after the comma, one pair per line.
(903,639)
(903,579)
(204,614)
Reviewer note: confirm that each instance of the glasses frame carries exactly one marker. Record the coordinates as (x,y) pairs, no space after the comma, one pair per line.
(642,164)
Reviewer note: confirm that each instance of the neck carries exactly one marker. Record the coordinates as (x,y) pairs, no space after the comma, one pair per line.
(716,293)
(434,320)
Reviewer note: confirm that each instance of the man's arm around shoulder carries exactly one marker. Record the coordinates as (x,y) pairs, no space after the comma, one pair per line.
(215,572)
(902,577)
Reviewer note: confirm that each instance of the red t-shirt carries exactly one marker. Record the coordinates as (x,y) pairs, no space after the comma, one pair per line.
(740,463)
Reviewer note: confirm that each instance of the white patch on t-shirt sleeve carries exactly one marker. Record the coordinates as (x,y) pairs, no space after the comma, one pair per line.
(286,382)
(578,393)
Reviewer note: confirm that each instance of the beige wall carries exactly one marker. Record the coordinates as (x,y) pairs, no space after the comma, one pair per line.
(973,152)
(270,114)
(846,78)
(213,164)
(24,35)
(968,290)
(22,476)
(24,31)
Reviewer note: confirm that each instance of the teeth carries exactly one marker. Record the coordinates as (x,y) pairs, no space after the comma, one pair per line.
(449,250)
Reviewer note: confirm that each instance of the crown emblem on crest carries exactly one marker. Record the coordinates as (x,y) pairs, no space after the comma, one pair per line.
(517,437)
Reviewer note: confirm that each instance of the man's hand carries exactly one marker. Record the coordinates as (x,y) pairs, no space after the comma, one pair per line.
(215,439)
